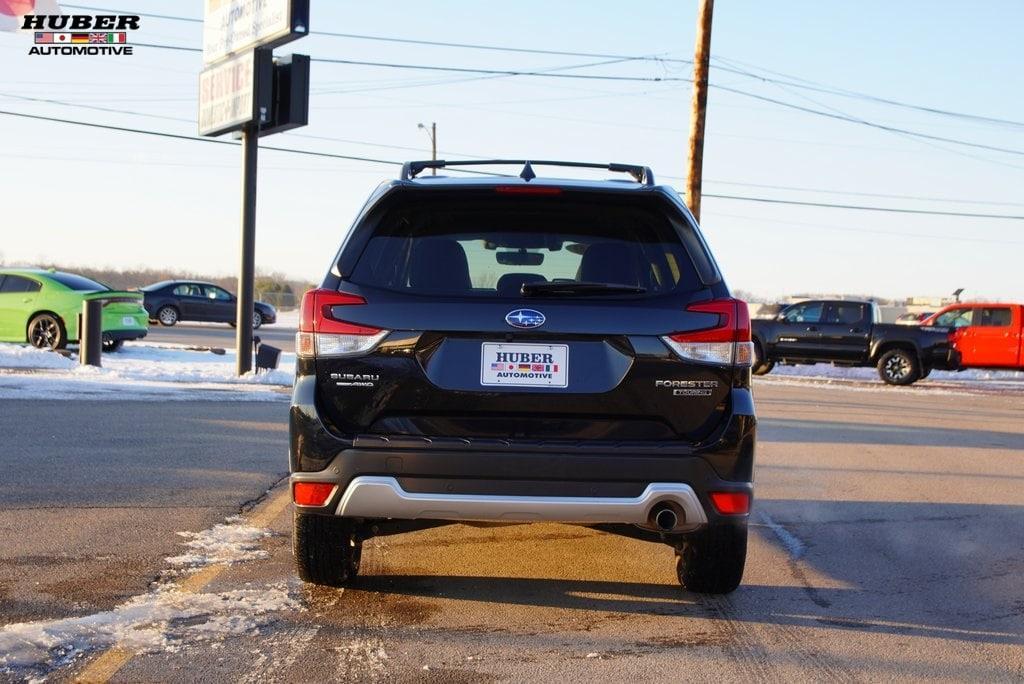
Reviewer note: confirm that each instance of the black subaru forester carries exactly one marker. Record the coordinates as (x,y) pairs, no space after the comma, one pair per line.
(517,349)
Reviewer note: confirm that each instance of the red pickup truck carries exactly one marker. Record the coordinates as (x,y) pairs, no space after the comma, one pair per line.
(986,335)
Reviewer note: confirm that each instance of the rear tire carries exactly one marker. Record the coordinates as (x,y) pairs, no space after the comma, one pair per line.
(711,560)
(899,367)
(761,366)
(167,315)
(326,550)
(46,331)
(257,319)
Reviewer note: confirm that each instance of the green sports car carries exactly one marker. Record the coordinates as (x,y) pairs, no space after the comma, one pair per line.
(42,308)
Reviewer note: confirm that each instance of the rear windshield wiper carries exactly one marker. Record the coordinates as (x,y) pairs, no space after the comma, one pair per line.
(575,289)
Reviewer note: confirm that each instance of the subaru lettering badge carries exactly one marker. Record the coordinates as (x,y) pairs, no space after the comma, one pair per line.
(525,318)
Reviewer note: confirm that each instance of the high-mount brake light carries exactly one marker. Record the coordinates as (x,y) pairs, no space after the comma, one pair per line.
(727,343)
(322,334)
(528,190)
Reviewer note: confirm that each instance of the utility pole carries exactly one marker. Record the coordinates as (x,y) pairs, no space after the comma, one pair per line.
(247,267)
(698,109)
(432,133)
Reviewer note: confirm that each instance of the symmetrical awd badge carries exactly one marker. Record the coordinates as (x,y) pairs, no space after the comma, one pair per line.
(525,318)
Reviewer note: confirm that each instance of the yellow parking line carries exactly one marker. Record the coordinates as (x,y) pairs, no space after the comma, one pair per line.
(107,664)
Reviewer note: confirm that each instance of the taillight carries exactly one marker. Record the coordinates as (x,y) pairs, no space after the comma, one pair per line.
(322,333)
(727,343)
(731,503)
(312,493)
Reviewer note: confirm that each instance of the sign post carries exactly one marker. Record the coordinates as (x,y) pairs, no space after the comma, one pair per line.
(239,91)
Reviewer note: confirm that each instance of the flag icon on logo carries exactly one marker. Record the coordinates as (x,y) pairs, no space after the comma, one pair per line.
(48,38)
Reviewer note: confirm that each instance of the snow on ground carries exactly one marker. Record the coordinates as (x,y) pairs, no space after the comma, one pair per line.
(140,370)
(165,619)
(25,356)
(968,380)
(227,543)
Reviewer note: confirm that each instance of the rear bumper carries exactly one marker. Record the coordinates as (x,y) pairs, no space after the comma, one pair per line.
(419,478)
(117,335)
(377,497)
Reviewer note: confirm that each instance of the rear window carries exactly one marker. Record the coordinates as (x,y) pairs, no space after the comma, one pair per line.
(13,283)
(487,247)
(996,317)
(77,282)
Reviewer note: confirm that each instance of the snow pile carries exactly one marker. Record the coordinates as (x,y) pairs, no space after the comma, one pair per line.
(163,620)
(177,363)
(24,356)
(967,379)
(227,543)
(140,371)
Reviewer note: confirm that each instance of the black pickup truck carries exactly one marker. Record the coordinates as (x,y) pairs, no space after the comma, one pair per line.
(847,333)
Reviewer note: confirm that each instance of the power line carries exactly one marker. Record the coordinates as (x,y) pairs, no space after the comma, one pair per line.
(656,79)
(842,92)
(729,66)
(431,43)
(860,207)
(864,122)
(848,229)
(475,156)
(176,136)
(467,70)
(852,193)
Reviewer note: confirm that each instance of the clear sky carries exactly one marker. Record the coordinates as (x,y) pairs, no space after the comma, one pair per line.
(86,196)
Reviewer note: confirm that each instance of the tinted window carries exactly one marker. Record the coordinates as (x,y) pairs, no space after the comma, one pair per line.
(489,248)
(77,282)
(809,312)
(13,283)
(955,318)
(187,290)
(845,313)
(996,317)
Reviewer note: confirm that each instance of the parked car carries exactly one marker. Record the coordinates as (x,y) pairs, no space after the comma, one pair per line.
(847,333)
(171,301)
(985,335)
(913,318)
(518,350)
(42,307)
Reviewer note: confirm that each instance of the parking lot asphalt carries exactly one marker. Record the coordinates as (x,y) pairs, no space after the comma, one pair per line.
(92,493)
(886,544)
(216,335)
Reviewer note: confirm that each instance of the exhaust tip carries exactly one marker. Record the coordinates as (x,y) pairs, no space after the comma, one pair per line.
(664,517)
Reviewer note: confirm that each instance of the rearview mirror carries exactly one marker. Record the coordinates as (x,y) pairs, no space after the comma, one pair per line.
(520,258)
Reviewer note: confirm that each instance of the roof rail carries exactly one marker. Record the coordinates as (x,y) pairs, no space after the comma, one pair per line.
(642,174)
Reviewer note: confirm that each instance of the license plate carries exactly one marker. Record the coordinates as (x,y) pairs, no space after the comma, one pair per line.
(524,365)
(128,320)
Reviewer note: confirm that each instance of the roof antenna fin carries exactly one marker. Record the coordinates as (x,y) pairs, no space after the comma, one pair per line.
(527,173)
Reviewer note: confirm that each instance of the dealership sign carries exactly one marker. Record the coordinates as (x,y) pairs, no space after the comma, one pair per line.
(235,92)
(232,26)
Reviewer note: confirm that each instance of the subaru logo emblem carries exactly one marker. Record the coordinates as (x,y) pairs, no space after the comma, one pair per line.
(525,318)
